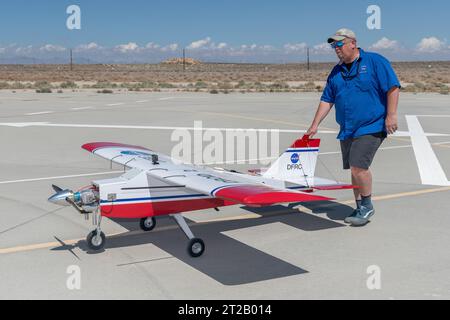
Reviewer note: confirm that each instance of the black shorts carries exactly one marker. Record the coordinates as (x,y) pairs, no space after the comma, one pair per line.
(359,152)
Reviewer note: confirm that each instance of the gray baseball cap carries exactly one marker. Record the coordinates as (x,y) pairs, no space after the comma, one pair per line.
(341,34)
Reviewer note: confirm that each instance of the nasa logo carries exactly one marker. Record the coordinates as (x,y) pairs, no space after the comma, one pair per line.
(295,158)
(135,153)
(363,69)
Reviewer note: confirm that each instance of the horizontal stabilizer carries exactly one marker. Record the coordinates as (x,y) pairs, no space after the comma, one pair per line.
(259,196)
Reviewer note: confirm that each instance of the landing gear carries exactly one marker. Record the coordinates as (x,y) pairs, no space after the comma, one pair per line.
(196,246)
(148,224)
(96,239)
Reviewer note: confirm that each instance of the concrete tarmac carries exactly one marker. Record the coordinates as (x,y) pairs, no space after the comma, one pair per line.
(298,252)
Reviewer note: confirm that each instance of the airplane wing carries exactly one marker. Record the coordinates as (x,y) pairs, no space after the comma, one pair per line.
(222,185)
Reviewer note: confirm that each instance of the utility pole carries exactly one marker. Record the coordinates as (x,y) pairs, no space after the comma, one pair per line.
(71,60)
(307,50)
(184,59)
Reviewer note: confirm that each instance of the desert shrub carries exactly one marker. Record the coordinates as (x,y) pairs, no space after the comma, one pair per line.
(44,90)
(105,91)
(201,84)
(69,85)
(278,85)
(104,85)
(214,91)
(4,85)
(165,85)
(42,85)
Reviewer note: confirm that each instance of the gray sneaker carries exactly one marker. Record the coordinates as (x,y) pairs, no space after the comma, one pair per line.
(362,218)
(353,215)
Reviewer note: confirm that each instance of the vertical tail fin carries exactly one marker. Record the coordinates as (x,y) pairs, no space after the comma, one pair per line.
(298,163)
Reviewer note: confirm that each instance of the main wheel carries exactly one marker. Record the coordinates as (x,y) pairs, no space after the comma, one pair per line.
(148,224)
(96,242)
(196,248)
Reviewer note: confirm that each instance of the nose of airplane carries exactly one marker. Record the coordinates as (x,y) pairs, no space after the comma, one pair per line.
(60,198)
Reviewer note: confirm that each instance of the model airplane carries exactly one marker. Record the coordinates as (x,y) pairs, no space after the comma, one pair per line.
(157,185)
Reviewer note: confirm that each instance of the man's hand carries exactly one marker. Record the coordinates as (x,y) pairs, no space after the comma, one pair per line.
(322,112)
(391,123)
(392,118)
(312,131)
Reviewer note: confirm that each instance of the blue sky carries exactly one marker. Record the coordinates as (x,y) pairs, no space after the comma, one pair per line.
(265,30)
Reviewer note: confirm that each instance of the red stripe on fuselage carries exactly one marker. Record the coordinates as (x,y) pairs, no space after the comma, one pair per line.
(161,208)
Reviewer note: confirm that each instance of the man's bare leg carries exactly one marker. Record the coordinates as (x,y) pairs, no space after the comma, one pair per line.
(363,179)
(363,196)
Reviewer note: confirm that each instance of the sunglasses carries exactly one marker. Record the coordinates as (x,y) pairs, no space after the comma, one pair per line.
(337,44)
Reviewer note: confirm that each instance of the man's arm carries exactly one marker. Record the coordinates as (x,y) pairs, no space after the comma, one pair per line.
(392,109)
(322,112)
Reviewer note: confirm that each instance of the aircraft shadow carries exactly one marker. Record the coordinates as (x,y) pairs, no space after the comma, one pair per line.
(226,260)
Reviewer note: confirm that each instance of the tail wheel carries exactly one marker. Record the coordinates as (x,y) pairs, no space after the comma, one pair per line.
(196,248)
(148,224)
(95,241)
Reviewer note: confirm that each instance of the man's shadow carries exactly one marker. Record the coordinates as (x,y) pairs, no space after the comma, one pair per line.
(226,260)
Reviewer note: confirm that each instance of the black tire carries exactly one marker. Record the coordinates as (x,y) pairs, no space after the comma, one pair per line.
(196,248)
(145,224)
(94,243)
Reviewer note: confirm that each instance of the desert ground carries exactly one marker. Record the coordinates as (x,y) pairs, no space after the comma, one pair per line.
(206,77)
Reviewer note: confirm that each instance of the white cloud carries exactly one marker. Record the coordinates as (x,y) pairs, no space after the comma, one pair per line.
(24,50)
(323,48)
(385,44)
(152,46)
(88,47)
(126,48)
(52,48)
(289,47)
(170,47)
(430,45)
(222,45)
(199,44)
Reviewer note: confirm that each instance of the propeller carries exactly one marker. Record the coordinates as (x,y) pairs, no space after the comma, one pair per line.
(56,188)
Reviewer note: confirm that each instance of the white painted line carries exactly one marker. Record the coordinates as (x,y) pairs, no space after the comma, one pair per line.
(407,134)
(142,101)
(115,104)
(433,116)
(39,113)
(167,98)
(430,169)
(82,108)
(99,126)
(61,177)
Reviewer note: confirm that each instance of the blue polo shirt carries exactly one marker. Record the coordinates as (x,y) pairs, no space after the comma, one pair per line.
(360,94)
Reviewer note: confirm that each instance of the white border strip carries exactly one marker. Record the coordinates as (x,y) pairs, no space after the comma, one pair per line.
(430,169)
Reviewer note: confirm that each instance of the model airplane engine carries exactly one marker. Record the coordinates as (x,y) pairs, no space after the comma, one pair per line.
(88,199)
(85,201)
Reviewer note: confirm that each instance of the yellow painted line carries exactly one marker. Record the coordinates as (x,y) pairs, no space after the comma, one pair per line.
(240,217)
(410,194)
(233,218)
(47,245)
(37,246)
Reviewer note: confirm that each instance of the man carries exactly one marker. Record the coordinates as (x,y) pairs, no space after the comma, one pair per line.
(365,91)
